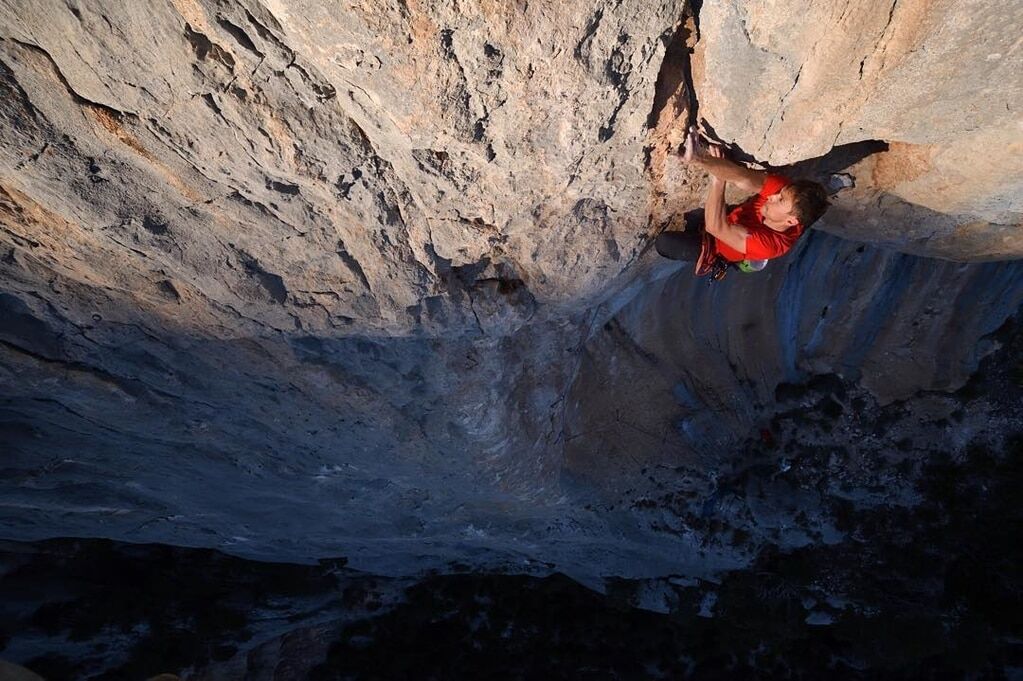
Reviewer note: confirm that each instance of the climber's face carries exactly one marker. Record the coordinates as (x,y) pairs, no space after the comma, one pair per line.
(779,210)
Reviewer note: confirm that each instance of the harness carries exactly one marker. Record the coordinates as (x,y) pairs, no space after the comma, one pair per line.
(712,264)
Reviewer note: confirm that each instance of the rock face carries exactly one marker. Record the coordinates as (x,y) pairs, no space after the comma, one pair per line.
(299,279)
(375,168)
(938,80)
(878,542)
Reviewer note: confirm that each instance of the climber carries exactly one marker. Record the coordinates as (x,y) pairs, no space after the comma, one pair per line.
(765,226)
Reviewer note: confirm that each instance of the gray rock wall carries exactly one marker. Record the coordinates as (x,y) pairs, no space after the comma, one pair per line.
(514,452)
(372,167)
(686,367)
(298,280)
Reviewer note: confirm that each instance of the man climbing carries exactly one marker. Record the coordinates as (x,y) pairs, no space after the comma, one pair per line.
(765,226)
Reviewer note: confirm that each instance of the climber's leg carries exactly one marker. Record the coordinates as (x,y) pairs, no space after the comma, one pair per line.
(683,245)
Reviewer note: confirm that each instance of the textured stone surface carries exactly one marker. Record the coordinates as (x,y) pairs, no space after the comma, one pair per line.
(371,165)
(937,79)
(295,279)
(690,366)
(883,541)
(519,451)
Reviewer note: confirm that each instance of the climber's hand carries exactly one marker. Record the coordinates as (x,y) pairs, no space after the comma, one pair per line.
(694,151)
(697,152)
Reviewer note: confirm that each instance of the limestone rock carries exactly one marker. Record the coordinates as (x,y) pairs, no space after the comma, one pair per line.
(938,80)
(297,279)
(319,166)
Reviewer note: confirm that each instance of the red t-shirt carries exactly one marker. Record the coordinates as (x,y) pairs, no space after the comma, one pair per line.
(763,242)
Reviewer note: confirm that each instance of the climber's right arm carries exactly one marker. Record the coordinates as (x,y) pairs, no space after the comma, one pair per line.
(744,178)
(713,160)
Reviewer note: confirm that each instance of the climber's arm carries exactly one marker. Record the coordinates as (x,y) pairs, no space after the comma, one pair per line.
(716,215)
(744,178)
(713,160)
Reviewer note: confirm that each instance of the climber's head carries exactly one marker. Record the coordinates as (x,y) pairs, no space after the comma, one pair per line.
(809,199)
(801,203)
